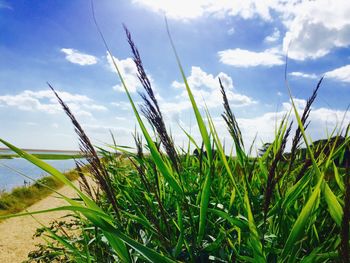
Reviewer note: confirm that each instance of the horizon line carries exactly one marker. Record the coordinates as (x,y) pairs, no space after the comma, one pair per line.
(41,150)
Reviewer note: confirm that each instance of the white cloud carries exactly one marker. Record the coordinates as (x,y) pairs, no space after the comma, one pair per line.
(340,74)
(205,87)
(45,101)
(76,57)
(316,27)
(105,129)
(298,74)
(118,118)
(95,107)
(128,70)
(245,58)
(185,10)
(299,104)
(122,105)
(273,37)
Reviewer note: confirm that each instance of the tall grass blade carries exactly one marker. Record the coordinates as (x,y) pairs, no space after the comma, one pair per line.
(200,122)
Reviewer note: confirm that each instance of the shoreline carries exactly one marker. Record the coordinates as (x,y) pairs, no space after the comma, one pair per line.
(43,150)
(21,197)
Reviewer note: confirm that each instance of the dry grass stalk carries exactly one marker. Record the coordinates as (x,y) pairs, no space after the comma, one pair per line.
(304,118)
(151,109)
(272,179)
(230,120)
(96,168)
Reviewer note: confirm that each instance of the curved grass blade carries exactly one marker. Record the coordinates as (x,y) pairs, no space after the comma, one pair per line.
(181,228)
(300,223)
(204,206)
(200,122)
(334,207)
(254,237)
(337,178)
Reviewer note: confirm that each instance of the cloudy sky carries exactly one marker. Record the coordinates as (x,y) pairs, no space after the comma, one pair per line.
(242,42)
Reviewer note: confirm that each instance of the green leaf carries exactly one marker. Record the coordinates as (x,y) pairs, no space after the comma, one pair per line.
(299,225)
(204,206)
(254,237)
(334,207)
(337,178)
(181,228)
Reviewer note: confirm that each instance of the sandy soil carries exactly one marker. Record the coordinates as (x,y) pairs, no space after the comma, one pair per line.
(16,234)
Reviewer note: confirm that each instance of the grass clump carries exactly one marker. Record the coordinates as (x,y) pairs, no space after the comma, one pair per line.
(165,204)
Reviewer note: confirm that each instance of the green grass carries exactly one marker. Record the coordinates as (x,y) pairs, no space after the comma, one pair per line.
(161,203)
(22,197)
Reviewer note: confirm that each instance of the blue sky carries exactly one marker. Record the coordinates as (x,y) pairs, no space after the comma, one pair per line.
(243,42)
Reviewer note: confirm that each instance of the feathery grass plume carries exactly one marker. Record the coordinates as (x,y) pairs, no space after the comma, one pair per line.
(305,116)
(272,180)
(151,109)
(344,245)
(96,168)
(141,167)
(230,120)
(84,184)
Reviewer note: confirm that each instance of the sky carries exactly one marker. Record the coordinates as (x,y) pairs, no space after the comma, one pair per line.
(243,42)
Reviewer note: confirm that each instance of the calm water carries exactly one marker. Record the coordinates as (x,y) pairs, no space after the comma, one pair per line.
(10,179)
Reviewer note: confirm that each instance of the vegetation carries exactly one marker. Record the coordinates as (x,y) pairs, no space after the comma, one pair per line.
(22,197)
(168,205)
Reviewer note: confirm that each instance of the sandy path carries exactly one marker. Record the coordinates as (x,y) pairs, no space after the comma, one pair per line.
(16,234)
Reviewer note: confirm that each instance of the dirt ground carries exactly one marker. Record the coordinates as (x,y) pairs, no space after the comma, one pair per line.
(16,234)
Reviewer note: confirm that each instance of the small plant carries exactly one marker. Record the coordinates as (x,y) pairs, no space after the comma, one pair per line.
(159,204)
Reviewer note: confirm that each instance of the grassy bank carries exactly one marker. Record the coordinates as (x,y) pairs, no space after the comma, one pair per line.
(22,197)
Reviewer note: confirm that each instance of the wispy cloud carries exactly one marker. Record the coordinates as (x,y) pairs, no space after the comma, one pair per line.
(340,74)
(122,105)
(45,101)
(231,31)
(76,57)
(298,74)
(105,129)
(245,58)
(185,10)
(273,37)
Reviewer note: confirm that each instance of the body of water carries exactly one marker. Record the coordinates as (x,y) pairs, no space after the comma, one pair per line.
(10,179)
